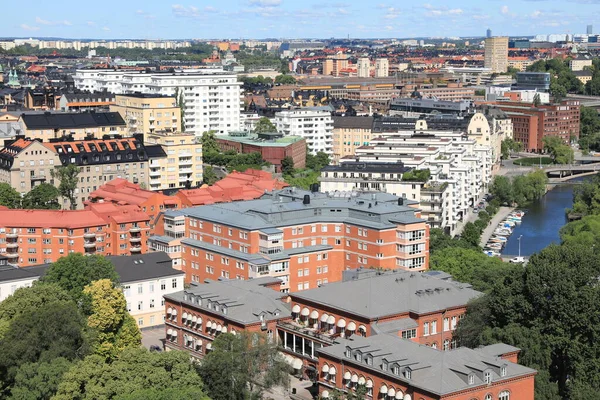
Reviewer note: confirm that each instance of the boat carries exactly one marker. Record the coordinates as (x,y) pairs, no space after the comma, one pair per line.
(498,239)
(507,223)
(493,245)
(503,232)
(491,253)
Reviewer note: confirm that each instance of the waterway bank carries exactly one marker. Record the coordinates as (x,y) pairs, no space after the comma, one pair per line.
(502,213)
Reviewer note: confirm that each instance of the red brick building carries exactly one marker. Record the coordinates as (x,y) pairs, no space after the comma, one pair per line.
(392,368)
(196,316)
(273,147)
(531,124)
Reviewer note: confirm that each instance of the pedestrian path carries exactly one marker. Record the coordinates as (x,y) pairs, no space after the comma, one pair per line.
(489,230)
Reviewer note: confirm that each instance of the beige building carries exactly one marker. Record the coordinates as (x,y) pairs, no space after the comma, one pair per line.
(334,65)
(348,134)
(579,63)
(496,54)
(148,113)
(382,67)
(363,67)
(182,163)
(25,163)
(55,125)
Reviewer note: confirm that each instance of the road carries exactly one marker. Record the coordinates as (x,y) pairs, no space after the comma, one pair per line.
(500,215)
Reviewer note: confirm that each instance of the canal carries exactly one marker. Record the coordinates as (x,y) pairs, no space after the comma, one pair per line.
(540,226)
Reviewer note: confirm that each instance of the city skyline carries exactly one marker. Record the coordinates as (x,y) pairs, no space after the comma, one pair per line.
(285,19)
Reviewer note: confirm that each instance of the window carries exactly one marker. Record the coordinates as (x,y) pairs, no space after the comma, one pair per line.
(426,329)
(488,397)
(446,324)
(300,272)
(503,371)
(407,373)
(348,352)
(358,356)
(471,379)
(453,323)
(487,377)
(504,395)
(140,288)
(140,305)
(151,288)
(446,345)
(409,334)
(433,327)
(163,285)
(174,283)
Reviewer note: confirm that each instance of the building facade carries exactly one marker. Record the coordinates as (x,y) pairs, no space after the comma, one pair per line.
(496,54)
(382,66)
(348,134)
(79,126)
(147,113)
(315,126)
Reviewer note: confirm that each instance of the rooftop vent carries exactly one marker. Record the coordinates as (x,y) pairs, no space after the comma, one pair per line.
(306,200)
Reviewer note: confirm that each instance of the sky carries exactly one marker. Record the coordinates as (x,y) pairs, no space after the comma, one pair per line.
(257,19)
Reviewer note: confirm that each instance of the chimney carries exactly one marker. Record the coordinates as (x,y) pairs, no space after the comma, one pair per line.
(400,201)
(306,200)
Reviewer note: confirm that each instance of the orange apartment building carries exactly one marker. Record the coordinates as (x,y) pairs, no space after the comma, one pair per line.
(122,192)
(305,239)
(197,315)
(392,368)
(32,237)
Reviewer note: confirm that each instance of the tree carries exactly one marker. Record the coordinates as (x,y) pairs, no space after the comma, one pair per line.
(9,197)
(209,176)
(558,150)
(185,393)
(285,79)
(41,335)
(181,104)
(439,240)
(589,128)
(536,100)
(67,175)
(287,165)
(558,91)
(115,327)
(75,271)
(264,125)
(471,234)
(209,143)
(135,371)
(39,380)
(43,196)
(242,366)
(501,189)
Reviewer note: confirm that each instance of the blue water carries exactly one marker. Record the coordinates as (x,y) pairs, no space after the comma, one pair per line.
(541,224)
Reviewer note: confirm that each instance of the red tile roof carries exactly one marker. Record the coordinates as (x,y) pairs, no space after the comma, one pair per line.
(124,192)
(121,214)
(50,219)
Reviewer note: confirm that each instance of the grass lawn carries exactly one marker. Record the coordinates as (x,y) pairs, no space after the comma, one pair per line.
(529,161)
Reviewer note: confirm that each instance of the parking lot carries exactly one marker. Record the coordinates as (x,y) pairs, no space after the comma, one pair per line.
(153,337)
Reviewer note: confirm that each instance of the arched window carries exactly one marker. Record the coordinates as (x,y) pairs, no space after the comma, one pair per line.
(488,396)
(504,395)
(446,345)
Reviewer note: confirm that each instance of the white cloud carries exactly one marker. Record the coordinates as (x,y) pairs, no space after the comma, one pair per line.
(42,21)
(480,16)
(91,23)
(265,3)
(343,11)
(436,12)
(455,11)
(536,14)
(105,28)
(186,12)
(504,10)
(29,27)
(392,13)
(210,9)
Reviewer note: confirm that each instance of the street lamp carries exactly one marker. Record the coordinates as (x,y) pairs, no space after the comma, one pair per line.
(519,239)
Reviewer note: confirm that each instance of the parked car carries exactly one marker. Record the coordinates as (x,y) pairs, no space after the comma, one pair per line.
(517,260)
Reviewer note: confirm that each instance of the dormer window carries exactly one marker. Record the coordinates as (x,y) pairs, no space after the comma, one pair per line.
(487,377)
(369,359)
(395,369)
(358,356)
(224,309)
(503,371)
(471,379)
(407,373)
(348,352)
(384,365)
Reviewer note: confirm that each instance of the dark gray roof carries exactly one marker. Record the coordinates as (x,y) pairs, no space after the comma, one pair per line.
(132,268)
(432,370)
(390,293)
(286,208)
(246,300)
(162,239)
(353,122)
(144,266)
(498,349)
(394,326)
(50,120)
(96,96)
(11,273)
(155,151)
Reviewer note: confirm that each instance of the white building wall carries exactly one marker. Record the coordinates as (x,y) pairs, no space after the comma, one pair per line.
(7,288)
(313,125)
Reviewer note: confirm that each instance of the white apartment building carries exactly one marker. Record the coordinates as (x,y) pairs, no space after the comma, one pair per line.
(13,278)
(363,67)
(460,171)
(212,97)
(316,126)
(382,67)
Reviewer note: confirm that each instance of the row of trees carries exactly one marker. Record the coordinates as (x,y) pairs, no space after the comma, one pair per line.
(560,152)
(589,129)
(304,178)
(519,190)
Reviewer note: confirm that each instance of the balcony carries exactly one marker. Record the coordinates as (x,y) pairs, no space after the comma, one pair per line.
(12,235)
(135,229)
(309,332)
(155,173)
(135,239)
(89,235)
(89,245)
(12,255)
(185,171)
(135,249)
(11,245)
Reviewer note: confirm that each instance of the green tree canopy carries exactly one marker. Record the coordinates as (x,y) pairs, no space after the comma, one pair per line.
(287,165)
(558,150)
(285,79)
(9,197)
(67,176)
(242,366)
(43,197)
(264,125)
(39,381)
(116,329)
(209,142)
(75,271)
(209,176)
(133,373)
(520,189)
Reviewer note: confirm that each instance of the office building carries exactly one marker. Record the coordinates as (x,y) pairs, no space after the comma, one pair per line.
(273,147)
(98,101)
(348,134)
(182,165)
(196,316)
(382,66)
(30,237)
(79,126)
(590,29)
(148,113)
(314,125)
(211,96)
(306,239)
(496,54)
(415,107)
(488,33)
(531,124)
(539,81)
(391,367)
(364,67)
(335,65)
